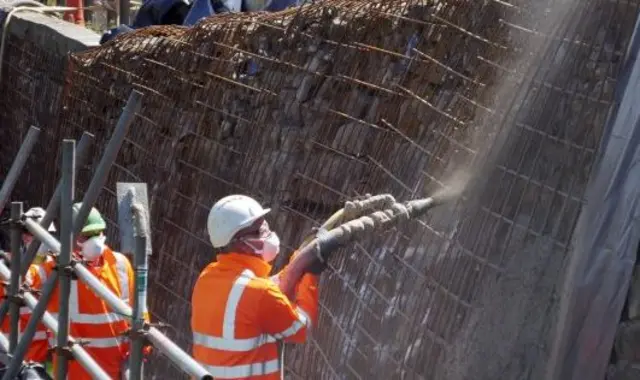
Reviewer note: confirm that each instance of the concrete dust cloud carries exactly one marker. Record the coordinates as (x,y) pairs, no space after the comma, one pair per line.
(455,185)
(539,22)
(506,336)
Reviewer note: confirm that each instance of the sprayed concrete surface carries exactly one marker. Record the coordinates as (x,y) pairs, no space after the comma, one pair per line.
(505,115)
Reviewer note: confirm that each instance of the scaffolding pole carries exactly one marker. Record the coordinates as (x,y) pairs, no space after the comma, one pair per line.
(39,313)
(79,353)
(4,310)
(153,335)
(99,178)
(17,165)
(97,182)
(82,153)
(14,281)
(181,359)
(64,259)
(140,298)
(108,158)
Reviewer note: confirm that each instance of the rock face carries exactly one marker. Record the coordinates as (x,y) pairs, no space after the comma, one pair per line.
(307,108)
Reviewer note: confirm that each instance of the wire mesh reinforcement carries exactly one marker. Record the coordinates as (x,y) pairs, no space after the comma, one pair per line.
(307,108)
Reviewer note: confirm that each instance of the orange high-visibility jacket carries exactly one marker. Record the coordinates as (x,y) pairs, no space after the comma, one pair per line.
(38,349)
(91,319)
(238,313)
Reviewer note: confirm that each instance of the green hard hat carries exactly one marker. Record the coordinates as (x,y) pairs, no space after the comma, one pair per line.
(94,222)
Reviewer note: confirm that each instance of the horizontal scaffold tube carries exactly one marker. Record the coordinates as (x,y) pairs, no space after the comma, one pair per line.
(156,337)
(39,312)
(82,153)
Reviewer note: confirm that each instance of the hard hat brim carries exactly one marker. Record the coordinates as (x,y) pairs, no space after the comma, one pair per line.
(91,228)
(259,215)
(248,222)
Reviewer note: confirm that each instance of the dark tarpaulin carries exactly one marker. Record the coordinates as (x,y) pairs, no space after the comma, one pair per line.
(605,241)
(184,12)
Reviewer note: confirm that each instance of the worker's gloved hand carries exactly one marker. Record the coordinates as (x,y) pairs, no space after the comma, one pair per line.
(326,247)
(317,267)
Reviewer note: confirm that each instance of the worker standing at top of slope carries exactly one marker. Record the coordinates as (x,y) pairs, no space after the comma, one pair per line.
(238,312)
(38,350)
(90,318)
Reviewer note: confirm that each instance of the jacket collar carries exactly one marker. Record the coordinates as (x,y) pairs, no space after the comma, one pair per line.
(243,261)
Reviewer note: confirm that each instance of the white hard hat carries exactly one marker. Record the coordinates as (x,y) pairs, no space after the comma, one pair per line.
(231,214)
(37,213)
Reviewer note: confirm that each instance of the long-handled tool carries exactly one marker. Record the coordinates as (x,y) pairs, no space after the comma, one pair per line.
(326,242)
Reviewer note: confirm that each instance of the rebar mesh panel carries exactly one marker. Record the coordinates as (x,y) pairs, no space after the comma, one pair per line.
(307,108)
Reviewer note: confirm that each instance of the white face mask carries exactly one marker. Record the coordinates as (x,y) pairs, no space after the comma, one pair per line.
(270,246)
(93,247)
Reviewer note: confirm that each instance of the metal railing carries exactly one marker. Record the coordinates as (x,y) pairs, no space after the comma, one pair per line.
(19,295)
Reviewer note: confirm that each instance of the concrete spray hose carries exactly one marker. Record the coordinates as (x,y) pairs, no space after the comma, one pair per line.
(328,240)
(351,210)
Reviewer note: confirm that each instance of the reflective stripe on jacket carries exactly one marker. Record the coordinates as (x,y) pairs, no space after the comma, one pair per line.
(238,313)
(92,321)
(38,348)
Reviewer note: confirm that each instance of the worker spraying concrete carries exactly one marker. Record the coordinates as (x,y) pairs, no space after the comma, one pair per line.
(328,241)
(236,328)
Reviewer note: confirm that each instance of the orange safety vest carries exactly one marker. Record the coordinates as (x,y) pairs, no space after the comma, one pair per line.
(238,313)
(90,318)
(38,349)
